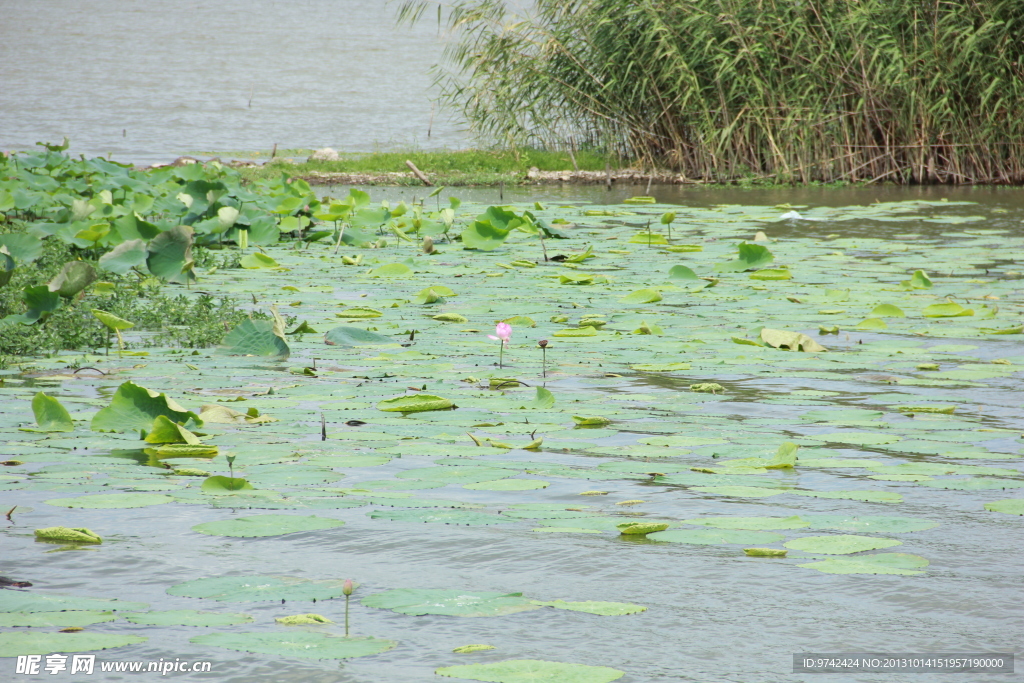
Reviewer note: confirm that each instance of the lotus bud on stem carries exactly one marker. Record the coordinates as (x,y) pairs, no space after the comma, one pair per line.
(543,344)
(346,590)
(428,245)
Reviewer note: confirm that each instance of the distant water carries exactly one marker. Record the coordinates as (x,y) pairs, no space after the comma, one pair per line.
(146,80)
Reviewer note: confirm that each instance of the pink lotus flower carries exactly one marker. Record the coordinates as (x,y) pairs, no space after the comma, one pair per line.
(347,587)
(504,332)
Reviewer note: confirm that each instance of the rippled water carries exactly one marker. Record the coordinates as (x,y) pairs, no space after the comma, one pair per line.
(147,80)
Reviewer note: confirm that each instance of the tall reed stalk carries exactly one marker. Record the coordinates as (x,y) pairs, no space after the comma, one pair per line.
(909,91)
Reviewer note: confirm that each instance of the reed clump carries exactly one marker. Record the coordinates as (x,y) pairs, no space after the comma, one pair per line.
(907,91)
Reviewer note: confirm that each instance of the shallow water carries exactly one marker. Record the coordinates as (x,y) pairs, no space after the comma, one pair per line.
(713,614)
(146,81)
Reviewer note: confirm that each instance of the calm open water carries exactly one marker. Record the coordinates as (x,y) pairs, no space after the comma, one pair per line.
(147,81)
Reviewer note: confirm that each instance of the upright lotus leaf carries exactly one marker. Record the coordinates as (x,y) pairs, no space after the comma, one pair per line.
(483,235)
(255,338)
(542,400)
(40,302)
(307,644)
(791,341)
(165,431)
(7,266)
(785,457)
(919,280)
(170,252)
(125,256)
(114,323)
(21,246)
(345,335)
(50,415)
(449,602)
(134,408)
(415,404)
(947,310)
(532,671)
(751,256)
(74,277)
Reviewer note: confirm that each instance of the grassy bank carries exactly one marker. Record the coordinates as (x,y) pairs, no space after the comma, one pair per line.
(451,168)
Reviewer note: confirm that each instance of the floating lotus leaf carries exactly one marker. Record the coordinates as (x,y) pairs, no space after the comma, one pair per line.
(751,523)
(842,544)
(23,601)
(354,336)
(187,617)
(462,474)
(771,274)
(306,644)
(641,528)
(466,649)
(507,485)
(740,491)
(791,341)
(453,517)
(258,588)
(660,367)
(598,421)
(449,602)
(257,260)
(947,310)
(532,671)
(887,311)
(642,296)
(415,404)
(451,318)
(681,273)
(715,536)
(110,501)
(874,523)
(50,415)
(266,525)
(357,312)
(764,552)
(15,643)
(260,338)
(308,619)
(55,619)
(604,609)
(66,535)
(1009,506)
(391,270)
(882,563)
(134,408)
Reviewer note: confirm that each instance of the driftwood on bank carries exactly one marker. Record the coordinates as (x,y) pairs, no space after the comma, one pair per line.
(532,177)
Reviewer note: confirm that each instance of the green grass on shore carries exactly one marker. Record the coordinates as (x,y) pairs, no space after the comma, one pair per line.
(462,167)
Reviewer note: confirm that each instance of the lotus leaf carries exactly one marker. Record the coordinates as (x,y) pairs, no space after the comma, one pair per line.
(258,588)
(16,643)
(415,404)
(448,602)
(135,408)
(56,619)
(303,644)
(66,535)
(842,544)
(50,415)
(187,617)
(111,501)
(764,552)
(882,563)
(604,609)
(532,671)
(715,536)
(266,525)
